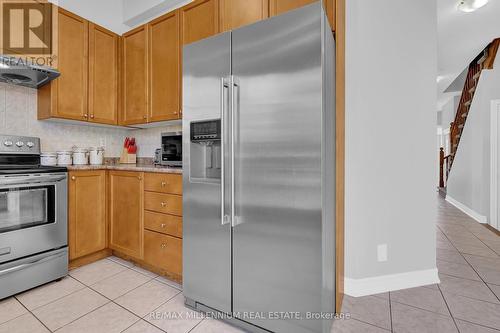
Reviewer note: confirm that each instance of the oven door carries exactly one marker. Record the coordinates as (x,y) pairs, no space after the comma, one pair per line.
(33,214)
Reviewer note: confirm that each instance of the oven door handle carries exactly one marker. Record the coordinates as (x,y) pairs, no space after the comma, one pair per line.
(23,180)
(31,263)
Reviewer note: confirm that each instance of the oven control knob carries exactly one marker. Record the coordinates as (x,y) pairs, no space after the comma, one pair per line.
(7,143)
(30,144)
(19,144)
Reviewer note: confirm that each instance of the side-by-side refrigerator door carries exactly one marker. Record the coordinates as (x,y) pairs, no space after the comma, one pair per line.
(277,144)
(206,232)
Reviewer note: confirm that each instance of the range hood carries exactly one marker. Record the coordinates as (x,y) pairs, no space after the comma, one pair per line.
(20,72)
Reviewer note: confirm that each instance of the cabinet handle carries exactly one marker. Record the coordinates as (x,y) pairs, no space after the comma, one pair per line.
(163,245)
(162,225)
(73,177)
(163,204)
(163,183)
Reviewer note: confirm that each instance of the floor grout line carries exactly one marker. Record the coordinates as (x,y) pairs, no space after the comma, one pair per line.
(41,322)
(390,312)
(486,284)
(448,307)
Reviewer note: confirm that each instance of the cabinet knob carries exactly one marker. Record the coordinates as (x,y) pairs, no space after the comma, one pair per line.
(91,116)
(163,204)
(73,177)
(139,177)
(163,245)
(85,116)
(175,112)
(162,225)
(145,117)
(163,183)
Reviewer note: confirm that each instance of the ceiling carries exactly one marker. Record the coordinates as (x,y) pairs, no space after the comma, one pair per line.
(461,36)
(120,15)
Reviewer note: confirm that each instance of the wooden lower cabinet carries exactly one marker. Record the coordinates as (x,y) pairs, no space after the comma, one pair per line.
(126,212)
(114,210)
(163,251)
(87,213)
(163,223)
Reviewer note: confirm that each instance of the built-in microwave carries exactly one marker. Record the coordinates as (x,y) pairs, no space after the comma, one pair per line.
(171,149)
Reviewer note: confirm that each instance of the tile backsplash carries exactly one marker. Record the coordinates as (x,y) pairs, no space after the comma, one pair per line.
(18,116)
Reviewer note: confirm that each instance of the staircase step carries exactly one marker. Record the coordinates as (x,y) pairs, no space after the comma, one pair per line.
(483,58)
(468,103)
(457,136)
(471,90)
(464,114)
(477,75)
(461,126)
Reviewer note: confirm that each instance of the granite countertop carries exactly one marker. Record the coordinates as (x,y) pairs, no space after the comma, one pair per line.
(141,166)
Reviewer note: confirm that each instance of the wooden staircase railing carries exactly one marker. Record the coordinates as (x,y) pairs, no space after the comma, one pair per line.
(484,60)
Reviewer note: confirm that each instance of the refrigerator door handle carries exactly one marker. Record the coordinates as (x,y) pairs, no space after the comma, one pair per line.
(235,109)
(224,86)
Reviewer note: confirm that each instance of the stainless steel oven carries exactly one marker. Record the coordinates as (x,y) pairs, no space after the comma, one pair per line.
(171,149)
(33,222)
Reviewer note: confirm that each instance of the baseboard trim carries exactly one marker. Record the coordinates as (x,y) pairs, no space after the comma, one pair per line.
(472,213)
(385,283)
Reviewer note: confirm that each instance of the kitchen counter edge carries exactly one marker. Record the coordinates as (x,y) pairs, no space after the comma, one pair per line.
(125,167)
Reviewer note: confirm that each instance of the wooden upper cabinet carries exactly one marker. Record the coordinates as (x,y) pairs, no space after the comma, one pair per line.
(103,75)
(72,60)
(164,67)
(126,191)
(87,213)
(277,7)
(237,13)
(199,19)
(135,76)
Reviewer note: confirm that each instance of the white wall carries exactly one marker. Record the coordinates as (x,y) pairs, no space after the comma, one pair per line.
(469,180)
(391,64)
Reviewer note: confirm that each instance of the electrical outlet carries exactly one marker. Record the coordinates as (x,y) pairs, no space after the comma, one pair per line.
(382,252)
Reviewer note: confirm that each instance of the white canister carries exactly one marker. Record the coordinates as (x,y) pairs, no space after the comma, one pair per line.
(80,156)
(48,158)
(64,157)
(96,155)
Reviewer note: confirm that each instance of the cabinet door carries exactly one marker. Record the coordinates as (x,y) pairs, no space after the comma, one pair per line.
(87,213)
(135,76)
(163,251)
(164,68)
(199,19)
(277,7)
(71,86)
(126,212)
(237,13)
(103,75)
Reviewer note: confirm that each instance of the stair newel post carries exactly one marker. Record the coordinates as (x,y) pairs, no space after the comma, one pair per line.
(452,138)
(441,166)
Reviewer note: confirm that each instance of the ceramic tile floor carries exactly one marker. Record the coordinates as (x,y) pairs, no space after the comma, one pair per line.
(467,300)
(113,295)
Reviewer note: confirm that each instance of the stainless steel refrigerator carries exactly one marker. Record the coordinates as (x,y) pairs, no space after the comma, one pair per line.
(259,174)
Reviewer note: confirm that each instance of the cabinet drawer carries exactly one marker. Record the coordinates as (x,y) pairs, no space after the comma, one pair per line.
(163,203)
(163,251)
(162,223)
(163,182)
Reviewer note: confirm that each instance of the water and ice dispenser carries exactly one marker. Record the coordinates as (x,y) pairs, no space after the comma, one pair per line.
(205,159)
